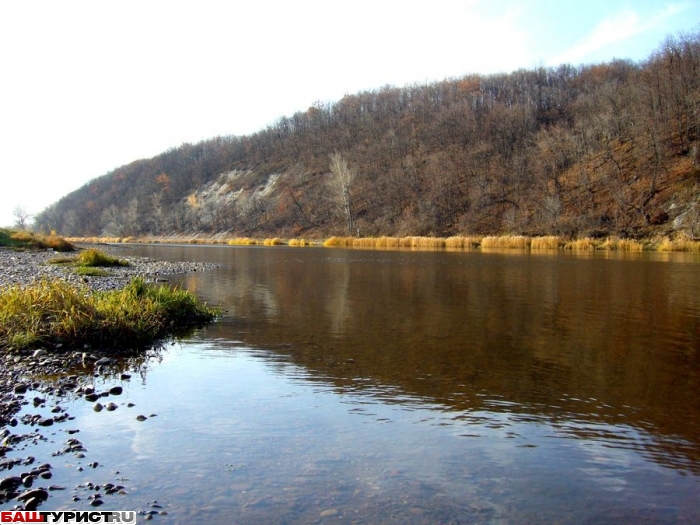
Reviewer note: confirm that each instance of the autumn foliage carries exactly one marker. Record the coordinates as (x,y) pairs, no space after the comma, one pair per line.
(589,151)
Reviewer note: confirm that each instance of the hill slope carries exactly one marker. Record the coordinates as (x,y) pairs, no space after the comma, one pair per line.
(601,149)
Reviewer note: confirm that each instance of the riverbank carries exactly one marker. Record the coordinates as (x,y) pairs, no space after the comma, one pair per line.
(27,267)
(35,382)
(457,242)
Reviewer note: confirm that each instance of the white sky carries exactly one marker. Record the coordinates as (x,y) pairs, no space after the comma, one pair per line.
(87,86)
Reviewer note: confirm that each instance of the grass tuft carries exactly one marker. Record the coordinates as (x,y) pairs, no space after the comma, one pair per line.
(93,257)
(90,258)
(50,312)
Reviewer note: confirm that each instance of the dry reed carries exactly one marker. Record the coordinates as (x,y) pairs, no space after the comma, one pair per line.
(518,242)
(462,241)
(241,241)
(298,242)
(681,244)
(547,242)
(586,243)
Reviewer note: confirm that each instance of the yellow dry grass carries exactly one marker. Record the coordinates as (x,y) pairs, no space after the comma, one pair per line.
(626,245)
(585,243)
(516,242)
(463,242)
(241,241)
(547,242)
(338,241)
(298,242)
(681,244)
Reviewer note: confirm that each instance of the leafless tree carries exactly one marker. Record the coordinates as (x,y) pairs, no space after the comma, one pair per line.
(22,217)
(341,180)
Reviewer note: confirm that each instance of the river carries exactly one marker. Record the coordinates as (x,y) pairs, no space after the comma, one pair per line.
(370,386)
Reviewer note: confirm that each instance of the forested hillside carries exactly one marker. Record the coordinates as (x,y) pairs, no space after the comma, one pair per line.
(593,150)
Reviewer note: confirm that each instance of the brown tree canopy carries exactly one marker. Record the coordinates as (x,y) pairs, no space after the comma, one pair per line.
(605,148)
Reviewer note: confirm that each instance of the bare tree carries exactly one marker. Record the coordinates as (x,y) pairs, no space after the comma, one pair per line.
(22,217)
(341,180)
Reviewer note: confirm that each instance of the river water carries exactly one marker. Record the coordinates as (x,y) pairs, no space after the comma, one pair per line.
(368,386)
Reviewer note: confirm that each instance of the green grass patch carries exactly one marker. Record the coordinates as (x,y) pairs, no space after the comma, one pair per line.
(90,258)
(50,312)
(93,257)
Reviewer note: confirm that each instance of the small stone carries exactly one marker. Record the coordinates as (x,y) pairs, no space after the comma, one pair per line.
(97,407)
(40,494)
(11,482)
(141,417)
(329,512)
(116,390)
(111,406)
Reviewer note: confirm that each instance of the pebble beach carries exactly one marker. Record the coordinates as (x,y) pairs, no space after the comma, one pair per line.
(38,380)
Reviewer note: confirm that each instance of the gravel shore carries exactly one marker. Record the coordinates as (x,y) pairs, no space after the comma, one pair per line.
(25,267)
(34,384)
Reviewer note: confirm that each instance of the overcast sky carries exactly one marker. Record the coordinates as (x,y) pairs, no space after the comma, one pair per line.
(87,86)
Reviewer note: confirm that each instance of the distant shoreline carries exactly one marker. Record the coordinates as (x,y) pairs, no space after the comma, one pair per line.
(461,242)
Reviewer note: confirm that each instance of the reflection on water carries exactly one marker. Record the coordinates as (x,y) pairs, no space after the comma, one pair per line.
(422,387)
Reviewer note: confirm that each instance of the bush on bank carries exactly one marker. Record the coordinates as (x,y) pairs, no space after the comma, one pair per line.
(53,312)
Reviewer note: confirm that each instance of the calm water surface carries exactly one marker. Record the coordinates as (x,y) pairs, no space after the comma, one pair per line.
(360,386)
